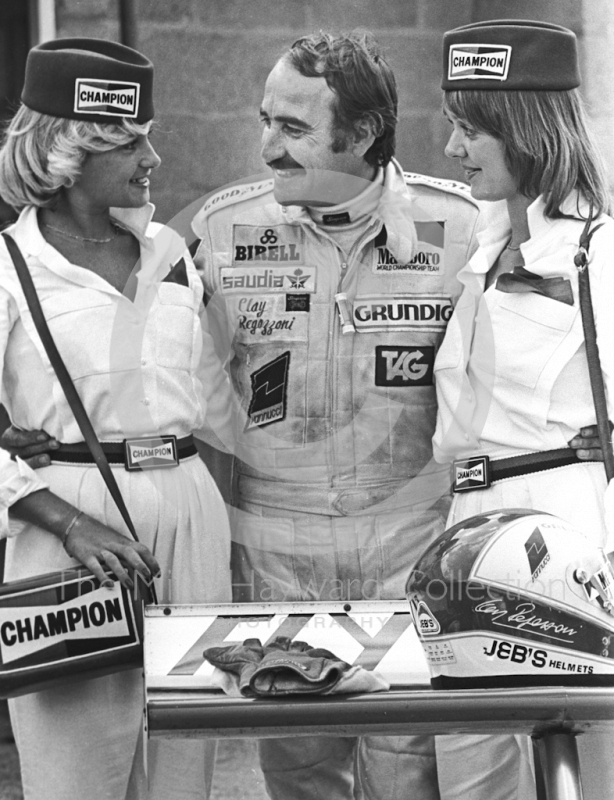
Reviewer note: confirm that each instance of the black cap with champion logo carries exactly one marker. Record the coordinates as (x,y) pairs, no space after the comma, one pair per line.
(504,54)
(89,79)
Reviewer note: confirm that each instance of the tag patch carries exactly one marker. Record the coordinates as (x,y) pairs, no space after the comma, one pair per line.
(471,473)
(151,453)
(265,280)
(269,392)
(402,312)
(479,62)
(269,244)
(429,257)
(297,302)
(404,366)
(110,98)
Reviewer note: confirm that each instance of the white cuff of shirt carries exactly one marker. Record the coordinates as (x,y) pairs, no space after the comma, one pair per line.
(22,482)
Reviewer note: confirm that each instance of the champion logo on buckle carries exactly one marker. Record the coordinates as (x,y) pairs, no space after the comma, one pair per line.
(471,473)
(152,452)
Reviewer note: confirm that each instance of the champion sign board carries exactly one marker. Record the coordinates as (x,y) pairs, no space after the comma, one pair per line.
(110,98)
(479,62)
(64,626)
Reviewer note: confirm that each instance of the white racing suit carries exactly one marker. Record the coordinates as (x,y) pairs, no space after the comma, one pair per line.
(337,493)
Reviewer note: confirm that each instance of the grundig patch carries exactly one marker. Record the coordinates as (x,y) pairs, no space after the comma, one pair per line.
(479,62)
(402,312)
(110,98)
(278,244)
(269,392)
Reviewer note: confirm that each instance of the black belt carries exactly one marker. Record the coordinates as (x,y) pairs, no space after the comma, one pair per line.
(478,472)
(150,452)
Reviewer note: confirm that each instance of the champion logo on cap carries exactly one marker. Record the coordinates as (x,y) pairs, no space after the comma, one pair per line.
(479,62)
(109,98)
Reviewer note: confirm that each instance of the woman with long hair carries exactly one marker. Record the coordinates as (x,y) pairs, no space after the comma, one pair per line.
(512,375)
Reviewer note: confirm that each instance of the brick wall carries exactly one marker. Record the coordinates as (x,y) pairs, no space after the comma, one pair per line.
(212,58)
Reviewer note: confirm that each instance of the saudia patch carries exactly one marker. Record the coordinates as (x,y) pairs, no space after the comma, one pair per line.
(267,280)
(479,62)
(269,392)
(264,243)
(110,98)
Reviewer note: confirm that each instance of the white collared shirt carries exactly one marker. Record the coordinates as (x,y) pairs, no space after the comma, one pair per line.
(141,367)
(511,373)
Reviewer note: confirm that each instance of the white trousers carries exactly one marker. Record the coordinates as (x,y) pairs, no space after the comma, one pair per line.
(84,740)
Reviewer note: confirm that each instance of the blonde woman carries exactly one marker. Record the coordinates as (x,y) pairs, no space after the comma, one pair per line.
(122,300)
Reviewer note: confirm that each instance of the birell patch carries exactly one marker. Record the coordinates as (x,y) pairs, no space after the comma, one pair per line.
(280,244)
(479,62)
(110,98)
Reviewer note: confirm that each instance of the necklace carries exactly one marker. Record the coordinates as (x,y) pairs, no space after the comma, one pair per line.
(513,249)
(116,229)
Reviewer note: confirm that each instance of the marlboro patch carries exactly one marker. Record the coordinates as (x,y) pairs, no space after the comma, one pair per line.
(151,453)
(269,392)
(113,99)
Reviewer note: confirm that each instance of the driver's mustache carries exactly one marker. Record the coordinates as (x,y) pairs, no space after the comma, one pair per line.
(284,163)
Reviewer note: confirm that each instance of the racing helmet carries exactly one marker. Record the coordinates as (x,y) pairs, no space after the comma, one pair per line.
(514,597)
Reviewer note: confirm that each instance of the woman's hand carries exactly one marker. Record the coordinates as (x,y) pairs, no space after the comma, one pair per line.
(96,546)
(587,445)
(31,446)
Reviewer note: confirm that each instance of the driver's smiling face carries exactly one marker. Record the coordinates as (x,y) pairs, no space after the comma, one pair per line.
(297,116)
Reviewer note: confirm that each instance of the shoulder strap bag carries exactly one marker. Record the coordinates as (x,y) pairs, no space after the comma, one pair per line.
(64,626)
(592,349)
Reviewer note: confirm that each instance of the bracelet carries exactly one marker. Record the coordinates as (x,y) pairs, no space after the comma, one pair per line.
(70,526)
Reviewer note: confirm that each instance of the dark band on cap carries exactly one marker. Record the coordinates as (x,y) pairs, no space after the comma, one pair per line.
(93,80)
(510,54)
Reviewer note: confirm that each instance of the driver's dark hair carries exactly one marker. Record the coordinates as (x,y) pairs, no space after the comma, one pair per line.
(363,84)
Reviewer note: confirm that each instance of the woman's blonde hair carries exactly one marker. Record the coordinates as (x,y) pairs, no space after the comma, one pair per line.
(548,147)
(41,154)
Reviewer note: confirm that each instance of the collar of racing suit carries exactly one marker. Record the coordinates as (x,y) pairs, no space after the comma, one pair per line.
(352,218)
(389,204)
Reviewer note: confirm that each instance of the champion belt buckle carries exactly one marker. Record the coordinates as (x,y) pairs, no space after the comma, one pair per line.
(151,452)
(471,473)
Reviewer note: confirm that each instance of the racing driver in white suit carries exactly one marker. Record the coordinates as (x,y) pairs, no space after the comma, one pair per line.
(330,286)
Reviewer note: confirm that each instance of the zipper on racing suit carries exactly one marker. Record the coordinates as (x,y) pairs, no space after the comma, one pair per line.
(345,267)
